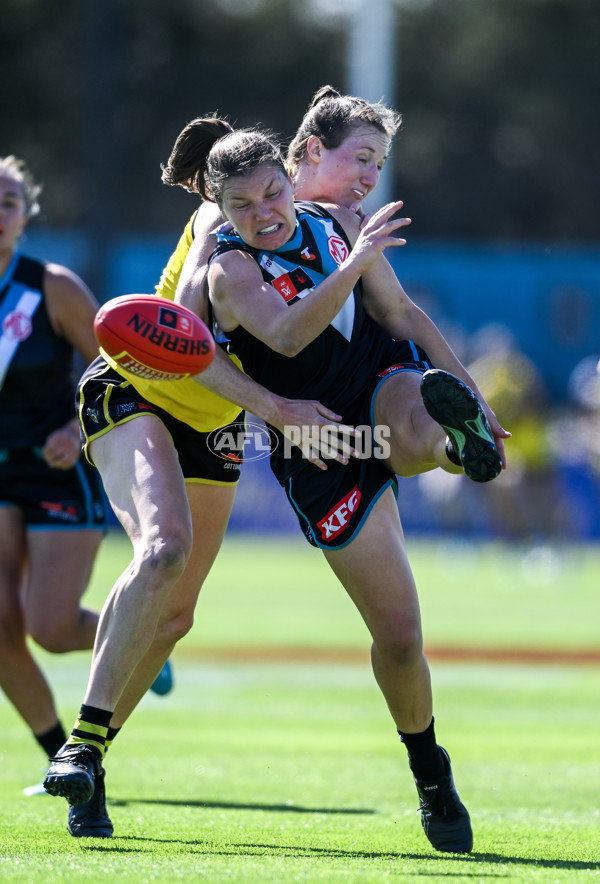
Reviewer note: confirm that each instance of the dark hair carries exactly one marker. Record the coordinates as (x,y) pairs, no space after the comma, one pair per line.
(16,168)
(209,151)
(332,117)
(186,166)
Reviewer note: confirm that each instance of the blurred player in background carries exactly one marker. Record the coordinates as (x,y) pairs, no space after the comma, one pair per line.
(526,504)
(52,508)
(52,511)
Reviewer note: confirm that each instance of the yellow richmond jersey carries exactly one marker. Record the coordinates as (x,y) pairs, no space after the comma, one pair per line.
(185,399)
(170,275)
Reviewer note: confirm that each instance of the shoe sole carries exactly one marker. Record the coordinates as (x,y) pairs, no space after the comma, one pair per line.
(97,832)
(440,840)
(76,788)
(454,406)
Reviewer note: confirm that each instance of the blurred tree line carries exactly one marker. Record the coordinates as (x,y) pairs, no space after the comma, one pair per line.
(501,137)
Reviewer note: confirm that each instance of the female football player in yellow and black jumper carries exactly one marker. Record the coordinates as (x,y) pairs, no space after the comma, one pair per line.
(150,441)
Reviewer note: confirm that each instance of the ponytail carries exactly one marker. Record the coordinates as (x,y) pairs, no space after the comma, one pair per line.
(186,166)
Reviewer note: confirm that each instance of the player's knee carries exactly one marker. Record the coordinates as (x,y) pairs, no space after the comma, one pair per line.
(51,635)
(173,629)
(166,560)
(402,645)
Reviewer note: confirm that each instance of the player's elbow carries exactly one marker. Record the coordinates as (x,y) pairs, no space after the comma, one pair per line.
(288,342)
(289,350)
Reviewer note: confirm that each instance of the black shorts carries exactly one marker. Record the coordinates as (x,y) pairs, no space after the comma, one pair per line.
(332,506)
(105,398)
(51,498)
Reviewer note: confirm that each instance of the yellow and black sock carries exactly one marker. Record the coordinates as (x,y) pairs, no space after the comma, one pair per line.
(91,728)
(110,736)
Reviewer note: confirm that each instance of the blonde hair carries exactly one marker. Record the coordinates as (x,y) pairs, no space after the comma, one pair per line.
(17,169)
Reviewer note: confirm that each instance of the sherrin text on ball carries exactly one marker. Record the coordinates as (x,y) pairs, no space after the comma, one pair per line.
(154,338)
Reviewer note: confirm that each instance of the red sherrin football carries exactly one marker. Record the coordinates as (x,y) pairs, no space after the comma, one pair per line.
(154,338)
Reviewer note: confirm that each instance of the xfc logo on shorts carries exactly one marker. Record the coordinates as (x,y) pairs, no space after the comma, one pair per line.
(338,518)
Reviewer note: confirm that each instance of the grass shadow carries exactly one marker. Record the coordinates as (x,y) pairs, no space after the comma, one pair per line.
(231,805)
(303,851)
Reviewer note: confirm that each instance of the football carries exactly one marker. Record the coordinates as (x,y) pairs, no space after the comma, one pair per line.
(154,338)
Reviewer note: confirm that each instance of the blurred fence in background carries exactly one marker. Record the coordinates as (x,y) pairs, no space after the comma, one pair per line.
(526,320)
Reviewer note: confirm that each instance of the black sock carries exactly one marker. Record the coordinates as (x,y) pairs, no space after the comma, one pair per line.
(424,756)
(451,454)
(53,740)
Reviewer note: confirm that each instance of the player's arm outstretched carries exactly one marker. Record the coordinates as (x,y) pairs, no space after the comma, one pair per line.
(389,305)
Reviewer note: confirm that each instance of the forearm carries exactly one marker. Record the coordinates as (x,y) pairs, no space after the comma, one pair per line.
(261,310)
(287,415)
(241,297)
(225,379)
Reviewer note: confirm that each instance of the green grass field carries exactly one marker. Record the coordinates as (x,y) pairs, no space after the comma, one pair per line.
(274,760)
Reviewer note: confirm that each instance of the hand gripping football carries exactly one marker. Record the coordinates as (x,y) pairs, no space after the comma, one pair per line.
(154,338)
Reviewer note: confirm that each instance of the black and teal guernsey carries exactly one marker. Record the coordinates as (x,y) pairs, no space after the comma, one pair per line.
(331,367)
(36,365)
(338,366)
(343,368)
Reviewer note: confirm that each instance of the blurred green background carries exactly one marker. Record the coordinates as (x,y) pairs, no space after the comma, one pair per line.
(476,599)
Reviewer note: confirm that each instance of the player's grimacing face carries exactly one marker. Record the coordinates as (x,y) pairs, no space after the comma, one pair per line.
(348,173)
(261,207)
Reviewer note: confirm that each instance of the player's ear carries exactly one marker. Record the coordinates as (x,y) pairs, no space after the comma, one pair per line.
(314,148)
